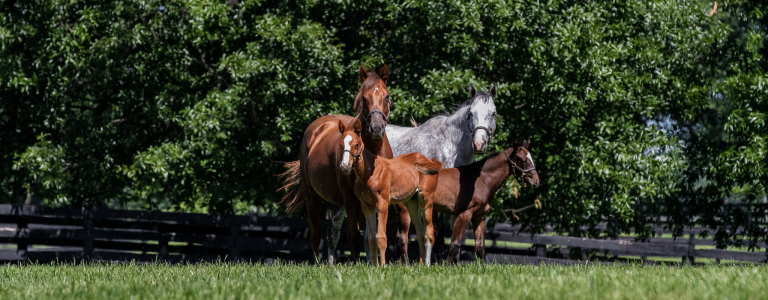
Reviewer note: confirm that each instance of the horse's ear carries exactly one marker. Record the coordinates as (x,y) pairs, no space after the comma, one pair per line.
(493,91)
(363,74)
(358,127)
(384,73)
(341,126)
(472,91)
(526,143)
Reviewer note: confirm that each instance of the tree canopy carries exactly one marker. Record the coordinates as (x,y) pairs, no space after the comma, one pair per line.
(191,105)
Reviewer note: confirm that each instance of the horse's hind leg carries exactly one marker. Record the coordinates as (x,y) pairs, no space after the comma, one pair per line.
(413,211)
(314,209)
(337,218)
(404,226)
(354,239)
(429,230)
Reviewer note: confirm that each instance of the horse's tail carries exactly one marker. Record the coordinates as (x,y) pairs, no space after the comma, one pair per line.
(414,123)
(295,194)
(430,166)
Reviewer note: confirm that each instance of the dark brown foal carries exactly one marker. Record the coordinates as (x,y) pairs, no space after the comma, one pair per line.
(467,191)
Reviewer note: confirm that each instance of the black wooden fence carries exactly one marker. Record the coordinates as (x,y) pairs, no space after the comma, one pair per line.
(38,234)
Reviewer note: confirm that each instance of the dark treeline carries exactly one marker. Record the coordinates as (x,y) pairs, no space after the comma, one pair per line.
(634,108)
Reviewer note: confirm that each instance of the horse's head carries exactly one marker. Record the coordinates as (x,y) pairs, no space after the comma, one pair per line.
(482,118)
(372,101)
(351,143)
(521,163)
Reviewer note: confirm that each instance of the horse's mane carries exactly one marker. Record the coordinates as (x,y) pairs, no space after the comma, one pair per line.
(491,155)
(470,101)
(488,156)
(466,104)
(370,82)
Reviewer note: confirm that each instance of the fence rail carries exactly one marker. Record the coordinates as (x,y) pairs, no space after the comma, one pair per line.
(38,234)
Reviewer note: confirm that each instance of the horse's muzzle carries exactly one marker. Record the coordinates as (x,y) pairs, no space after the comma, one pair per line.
(532,178)
(480,145)
(345,168)
(377,130)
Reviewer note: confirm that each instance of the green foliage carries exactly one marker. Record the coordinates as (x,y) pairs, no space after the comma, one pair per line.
(174,105)
(727,144)
(181,105)
(474,281)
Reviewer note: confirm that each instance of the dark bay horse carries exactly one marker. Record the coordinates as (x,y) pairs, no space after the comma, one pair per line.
(467,191)
(409,179)
(316,176)
(453,139)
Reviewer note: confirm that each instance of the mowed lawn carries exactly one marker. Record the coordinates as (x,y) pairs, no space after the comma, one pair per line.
(476,281)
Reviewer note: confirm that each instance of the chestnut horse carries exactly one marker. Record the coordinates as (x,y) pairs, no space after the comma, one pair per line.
(409,179)
(467,191)
(316,175)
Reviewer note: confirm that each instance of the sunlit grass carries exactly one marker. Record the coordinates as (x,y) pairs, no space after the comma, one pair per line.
(475,281)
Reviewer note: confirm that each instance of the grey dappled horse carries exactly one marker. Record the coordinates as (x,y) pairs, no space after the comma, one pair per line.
(453,139)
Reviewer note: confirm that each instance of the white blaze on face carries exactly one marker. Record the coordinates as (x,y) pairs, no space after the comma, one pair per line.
(346,155)
(482,115)
(531,159)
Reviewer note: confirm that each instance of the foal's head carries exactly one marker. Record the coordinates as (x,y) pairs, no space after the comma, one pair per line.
(351,143)
(482,118)
(372,101)
(522,164)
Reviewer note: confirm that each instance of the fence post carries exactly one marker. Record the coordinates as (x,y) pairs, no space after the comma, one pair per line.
(87,234)
(21,243)
(162,241)
(691,248)
(234,247)
(541,250)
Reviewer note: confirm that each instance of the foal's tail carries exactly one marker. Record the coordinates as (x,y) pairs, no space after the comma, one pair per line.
(427,166)
(295,196)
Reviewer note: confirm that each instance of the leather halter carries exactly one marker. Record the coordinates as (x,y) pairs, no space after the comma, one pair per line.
(357,156)
(488,131)
(375,110)
(522,172)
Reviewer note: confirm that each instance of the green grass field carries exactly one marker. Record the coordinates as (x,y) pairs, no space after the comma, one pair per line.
(476,281)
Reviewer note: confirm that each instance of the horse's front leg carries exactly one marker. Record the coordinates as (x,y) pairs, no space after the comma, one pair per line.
(381,229)
(478,224)
(458,232)
(369,212)
(413,211)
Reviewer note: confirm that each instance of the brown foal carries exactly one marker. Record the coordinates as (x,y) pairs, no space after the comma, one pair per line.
(467,191)
(409,178)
